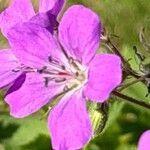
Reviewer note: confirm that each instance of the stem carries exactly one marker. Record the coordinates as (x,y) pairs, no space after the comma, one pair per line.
(132,100)
(131,83)
(116,51)
(132,73)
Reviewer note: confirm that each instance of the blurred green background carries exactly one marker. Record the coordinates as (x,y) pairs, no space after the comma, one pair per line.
(125,19)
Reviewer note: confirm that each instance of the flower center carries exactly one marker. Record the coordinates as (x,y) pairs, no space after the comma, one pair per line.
(73,76)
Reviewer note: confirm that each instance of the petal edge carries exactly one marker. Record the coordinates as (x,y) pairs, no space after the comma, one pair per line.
(105,74)
(69,129)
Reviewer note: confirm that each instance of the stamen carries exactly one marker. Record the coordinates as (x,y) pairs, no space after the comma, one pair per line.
(55,63)
(63,67)
(52,60)
(42,70)
(74,63)
(46,81)
(65,88)
(60,80)
(64,51)
(23,68)
(15,70)
(77,74)
(64,73)
(70,60)
(73,76)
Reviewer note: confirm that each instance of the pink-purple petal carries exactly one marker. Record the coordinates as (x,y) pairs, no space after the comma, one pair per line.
(79,32)
(144,141)
(51,6)
(19,11)
(104,75)
(16,84)
(8,62)
(31,96)
(45,20)
(33,44)
(69,123)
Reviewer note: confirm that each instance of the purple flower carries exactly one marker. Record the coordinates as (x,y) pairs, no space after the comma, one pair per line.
(65,64)
(22,11)
(144,141)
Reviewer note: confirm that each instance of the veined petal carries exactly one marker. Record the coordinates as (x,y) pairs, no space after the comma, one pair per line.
(79,32)
(144,141)
(104,75)
(52,6)
(8,62)
(33,44)
(19,11)
(45,20)
(17,83)
(31,96)
(69,123)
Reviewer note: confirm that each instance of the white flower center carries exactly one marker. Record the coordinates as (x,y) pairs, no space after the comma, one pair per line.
(73,77)
(79,76)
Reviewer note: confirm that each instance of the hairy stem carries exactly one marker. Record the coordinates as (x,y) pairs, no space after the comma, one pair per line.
(114,49)
(132,100)
(122,87)
(128,69)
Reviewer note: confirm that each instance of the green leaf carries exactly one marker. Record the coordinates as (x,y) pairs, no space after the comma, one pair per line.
(21,131)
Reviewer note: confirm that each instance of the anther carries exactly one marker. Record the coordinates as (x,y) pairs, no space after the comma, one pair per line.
(16,69)
(63,67)
(70,60)
(42,70)
(77,74)
(49,58)
(46,80)
(53,60)
(66,88)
